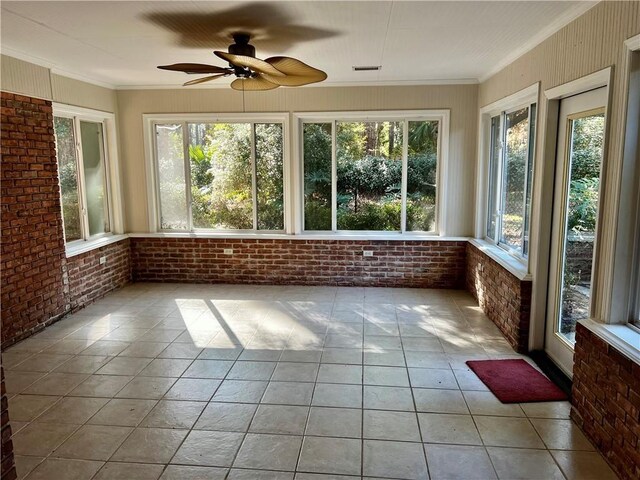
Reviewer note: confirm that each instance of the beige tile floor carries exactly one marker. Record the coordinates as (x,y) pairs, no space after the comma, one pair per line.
(273,382)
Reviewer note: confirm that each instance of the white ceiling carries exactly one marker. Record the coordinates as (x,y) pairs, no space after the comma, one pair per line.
(121,43)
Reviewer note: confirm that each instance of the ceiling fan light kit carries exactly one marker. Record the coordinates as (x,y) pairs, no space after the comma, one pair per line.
(253,74)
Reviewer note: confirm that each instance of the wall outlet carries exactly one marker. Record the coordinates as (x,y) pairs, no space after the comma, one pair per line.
(103,260)
(367,253)
(228,251)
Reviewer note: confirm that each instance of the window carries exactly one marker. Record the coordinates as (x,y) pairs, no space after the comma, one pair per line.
(220,175)
(83,174)
(371,174)
(512,135)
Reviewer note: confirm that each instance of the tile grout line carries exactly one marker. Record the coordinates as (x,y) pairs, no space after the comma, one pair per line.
(464,398)
(190,430)
(313,391)
(415,409)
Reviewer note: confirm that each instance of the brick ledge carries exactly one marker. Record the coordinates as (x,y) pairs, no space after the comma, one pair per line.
(617,336)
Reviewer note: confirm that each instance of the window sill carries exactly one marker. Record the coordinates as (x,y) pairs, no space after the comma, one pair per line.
(620,336)
(84,247)
(302,236)
(503,258)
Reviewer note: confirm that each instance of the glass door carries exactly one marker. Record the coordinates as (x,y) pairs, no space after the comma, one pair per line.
(581,136)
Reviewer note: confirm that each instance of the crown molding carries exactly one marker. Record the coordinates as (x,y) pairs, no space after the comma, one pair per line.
(53,68)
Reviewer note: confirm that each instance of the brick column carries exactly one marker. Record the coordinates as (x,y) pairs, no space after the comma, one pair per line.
(33,275)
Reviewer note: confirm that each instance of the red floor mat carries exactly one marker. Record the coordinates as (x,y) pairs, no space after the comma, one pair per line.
(515,381)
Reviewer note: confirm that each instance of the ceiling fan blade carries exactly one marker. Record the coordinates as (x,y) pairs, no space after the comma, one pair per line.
(252,84)
(204,79)
(294,80)
(196,68)
(293,66)
(297,73)
(253,63)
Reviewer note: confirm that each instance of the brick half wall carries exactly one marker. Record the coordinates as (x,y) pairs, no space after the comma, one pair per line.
(503,297)
(606,401)
(90,280)
(426,264)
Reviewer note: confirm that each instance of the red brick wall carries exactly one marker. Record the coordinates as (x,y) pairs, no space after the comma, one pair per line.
(439,264)
(39,284)
(606,401)
(33,255)
(504,298)
(89,280)
(8,470)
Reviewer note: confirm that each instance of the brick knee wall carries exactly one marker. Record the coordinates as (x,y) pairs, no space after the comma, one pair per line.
(504,298)
(89,280)
(32,265)
(433,264)
(606,401)
(8,471)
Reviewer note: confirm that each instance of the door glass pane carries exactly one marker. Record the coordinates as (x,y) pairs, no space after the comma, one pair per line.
(369,175)
(269,176)
(515,164)
(92,139)
(581,212)
(68,172)
(316,138)
(422,161)
(221,175)
(172,185)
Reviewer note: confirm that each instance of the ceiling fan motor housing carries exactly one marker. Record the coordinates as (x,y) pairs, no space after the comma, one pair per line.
(242,46)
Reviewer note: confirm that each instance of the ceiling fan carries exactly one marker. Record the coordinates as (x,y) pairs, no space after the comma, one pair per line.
(252,73)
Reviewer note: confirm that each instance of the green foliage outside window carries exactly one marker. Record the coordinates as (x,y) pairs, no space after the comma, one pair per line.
(586,155)
(369,175)
(68,175)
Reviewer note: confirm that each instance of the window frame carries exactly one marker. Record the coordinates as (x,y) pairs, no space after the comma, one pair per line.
(403,116)
(634,283)
(153,192)
(629,195)
(113,204)
(500,188)
(525,98)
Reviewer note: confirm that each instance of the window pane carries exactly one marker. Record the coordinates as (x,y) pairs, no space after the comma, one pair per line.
(94,177)
(515,165)
(171,180)
(494,179)
(221,175)
(68,172)
(422,177)
(369,175)
(527,210)
(269,176)
(587,140)
(317,176)
(200,160)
